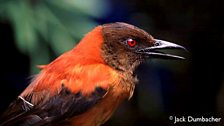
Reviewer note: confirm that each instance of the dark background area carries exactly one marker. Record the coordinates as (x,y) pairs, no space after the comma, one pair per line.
(193,87)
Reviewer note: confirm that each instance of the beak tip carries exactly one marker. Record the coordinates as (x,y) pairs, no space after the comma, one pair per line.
(182,58)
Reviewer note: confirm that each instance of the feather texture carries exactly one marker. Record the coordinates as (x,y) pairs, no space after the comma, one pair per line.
(68,86)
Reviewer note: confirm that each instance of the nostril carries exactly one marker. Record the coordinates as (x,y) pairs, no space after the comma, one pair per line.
(157,44)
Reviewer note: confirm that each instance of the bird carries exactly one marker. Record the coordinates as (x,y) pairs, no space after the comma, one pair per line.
(85,85)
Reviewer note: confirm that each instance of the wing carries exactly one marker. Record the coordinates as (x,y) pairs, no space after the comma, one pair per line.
(59,107)
(46,104)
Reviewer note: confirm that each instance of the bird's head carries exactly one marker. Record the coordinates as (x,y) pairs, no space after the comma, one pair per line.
(126,46)
(123,46)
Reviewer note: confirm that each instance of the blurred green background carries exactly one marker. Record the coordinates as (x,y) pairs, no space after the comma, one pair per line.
(41,25)
(35,32)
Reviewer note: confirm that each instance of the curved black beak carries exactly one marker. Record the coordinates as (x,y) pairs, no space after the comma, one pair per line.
(154,51)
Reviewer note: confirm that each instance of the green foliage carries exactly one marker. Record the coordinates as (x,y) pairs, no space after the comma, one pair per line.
(41,25)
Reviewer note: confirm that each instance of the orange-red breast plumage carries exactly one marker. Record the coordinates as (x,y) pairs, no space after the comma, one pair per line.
(85,85)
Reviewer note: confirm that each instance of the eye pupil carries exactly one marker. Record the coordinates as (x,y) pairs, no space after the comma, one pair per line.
(131,42)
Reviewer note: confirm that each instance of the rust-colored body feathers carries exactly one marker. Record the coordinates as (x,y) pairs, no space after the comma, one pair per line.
(76,69)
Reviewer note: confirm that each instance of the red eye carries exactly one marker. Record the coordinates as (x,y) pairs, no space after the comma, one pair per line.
(131,42)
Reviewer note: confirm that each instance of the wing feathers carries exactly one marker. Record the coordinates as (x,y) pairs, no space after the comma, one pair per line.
(60,107)
(58,95)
